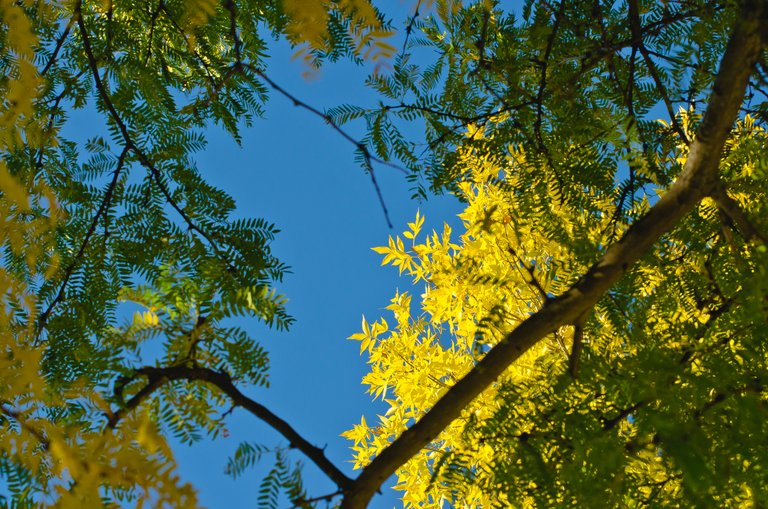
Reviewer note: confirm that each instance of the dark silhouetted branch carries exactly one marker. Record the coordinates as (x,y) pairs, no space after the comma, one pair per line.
(158,376)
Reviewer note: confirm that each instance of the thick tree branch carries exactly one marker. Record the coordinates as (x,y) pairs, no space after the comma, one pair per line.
(698,178)
(157,376)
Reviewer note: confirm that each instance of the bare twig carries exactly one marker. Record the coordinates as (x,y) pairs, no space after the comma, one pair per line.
(307,502)
(409,27)
(368,158)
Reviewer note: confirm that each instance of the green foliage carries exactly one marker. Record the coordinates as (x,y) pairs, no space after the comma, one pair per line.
(119,221)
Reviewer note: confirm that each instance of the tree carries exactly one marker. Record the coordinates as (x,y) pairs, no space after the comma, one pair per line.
(552,106)
(635,404)
(594,338)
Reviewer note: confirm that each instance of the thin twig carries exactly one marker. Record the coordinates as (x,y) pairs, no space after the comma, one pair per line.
(305,502)
(637,35)
(59,43)
(150,37)
(531,270)
(537,124)
(409,28)
(105,202)
(17,416)
(368,158)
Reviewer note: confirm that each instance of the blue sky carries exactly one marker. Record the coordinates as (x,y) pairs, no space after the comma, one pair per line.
(297,172)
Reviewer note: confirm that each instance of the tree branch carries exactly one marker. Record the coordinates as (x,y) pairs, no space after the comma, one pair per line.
(88,234)
(59,43)
(698,178)
(735,213)
(637,36)
(158,376)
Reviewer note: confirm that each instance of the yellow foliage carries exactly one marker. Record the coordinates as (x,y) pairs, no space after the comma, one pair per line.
(308,24)
(517,251)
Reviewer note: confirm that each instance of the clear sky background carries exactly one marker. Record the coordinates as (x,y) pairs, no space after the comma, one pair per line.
(295,171)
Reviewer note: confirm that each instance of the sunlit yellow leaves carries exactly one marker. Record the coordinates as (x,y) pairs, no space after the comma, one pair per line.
(26,233)
(359,435)
(396,254)
(369,335)
(197,13)
(147,318)
(23,83)
(478,286)
(414,227)
(308,23)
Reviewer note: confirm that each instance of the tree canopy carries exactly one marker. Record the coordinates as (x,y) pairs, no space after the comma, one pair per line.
(594,337)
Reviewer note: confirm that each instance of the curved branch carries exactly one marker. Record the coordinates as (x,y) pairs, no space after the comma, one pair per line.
(699,177)
(158,376)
